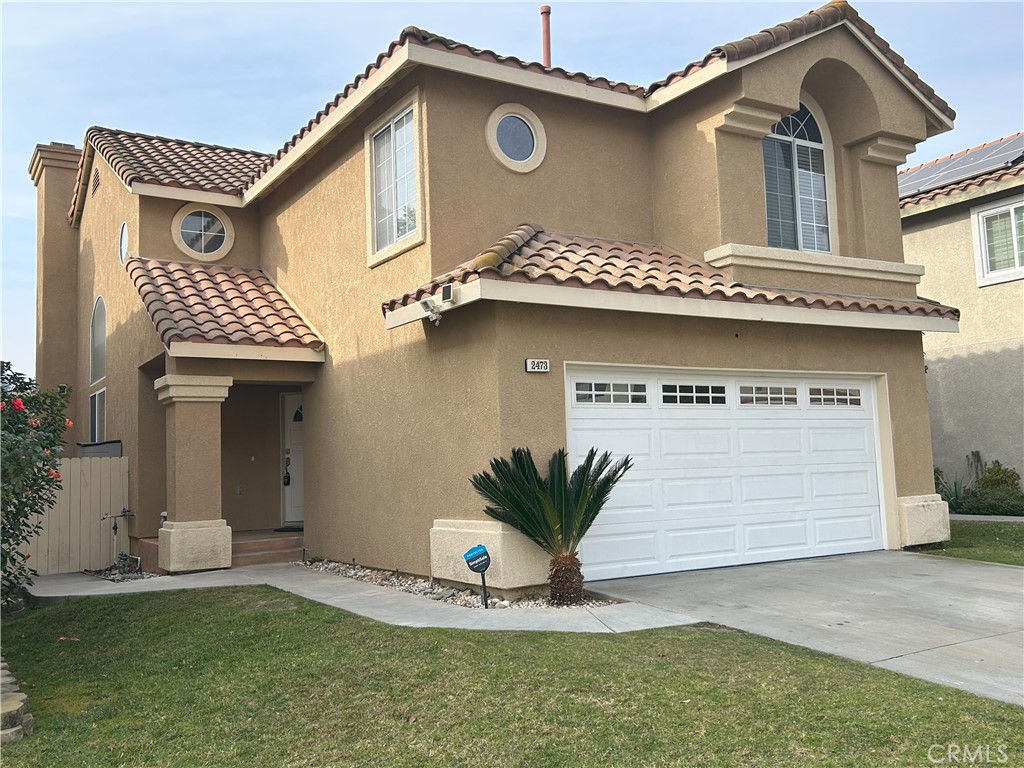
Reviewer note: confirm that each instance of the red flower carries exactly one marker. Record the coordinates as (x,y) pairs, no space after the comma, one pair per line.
(27,555)
(54,474)
(2,405)
(68,423)
(33,422)
(17,405)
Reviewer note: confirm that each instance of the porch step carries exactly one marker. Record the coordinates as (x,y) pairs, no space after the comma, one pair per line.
(247,543)
(261,557)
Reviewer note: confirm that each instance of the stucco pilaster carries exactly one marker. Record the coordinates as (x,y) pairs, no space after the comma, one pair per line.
(194,537)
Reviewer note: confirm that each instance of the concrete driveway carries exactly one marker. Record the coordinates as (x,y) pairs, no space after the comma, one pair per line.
(955,622)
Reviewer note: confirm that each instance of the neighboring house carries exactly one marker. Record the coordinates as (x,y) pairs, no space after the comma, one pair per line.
(963,219)
(707,274)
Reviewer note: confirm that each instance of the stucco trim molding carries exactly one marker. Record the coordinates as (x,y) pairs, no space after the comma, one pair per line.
(516,562)
(245,352)
(195,545)
(749,121)
(186,195)
(178,388)
(888,150)
(739,255)
(583,298)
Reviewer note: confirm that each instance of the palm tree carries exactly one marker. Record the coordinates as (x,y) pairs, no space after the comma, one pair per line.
(555,512)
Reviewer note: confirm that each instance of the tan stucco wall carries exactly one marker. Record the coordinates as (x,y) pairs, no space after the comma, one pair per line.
(594,180)
(155,240)
(251,457)
(56,276)
(131,337)
(976,377)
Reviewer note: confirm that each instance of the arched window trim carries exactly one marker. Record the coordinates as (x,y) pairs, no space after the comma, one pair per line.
(93,378)
(830,173)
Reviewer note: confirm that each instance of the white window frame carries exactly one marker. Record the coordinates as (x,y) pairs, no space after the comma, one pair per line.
(830,179)
(374,255)
(229,232)
(122,242)
(93,378)
(978,215)
(97,431)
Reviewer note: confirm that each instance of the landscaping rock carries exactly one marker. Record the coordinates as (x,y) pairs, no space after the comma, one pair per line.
(15,721)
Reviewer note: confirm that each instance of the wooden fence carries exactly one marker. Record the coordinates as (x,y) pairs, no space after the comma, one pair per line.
(75,537)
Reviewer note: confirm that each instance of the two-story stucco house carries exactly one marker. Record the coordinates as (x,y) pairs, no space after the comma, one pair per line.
(465,253)
(963,219)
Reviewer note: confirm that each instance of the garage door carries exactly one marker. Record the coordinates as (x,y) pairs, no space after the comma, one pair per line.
(728,469)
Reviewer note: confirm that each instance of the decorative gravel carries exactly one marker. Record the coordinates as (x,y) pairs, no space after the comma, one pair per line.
(113,574)
(414,585)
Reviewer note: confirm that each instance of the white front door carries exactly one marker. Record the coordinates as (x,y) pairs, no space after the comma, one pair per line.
(728,468)
(293,459)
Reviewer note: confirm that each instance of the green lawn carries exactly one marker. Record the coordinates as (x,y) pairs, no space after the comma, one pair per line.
(995,542)
(260,678)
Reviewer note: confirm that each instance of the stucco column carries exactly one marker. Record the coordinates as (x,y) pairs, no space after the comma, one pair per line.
(195,537)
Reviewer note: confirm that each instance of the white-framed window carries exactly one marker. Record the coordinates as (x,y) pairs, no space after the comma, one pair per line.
(122,242)
(98,341)
(693,394)
(999,240)
(516,137)
(610,393)
(98,416)
(202,232)
(394,194)
(796,184)
(835,396)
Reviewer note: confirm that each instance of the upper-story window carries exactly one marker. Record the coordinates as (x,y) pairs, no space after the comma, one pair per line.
(98,342)
(999,240)
(202,232)
(515,135)
(122,242)
(394,181)
(795,184)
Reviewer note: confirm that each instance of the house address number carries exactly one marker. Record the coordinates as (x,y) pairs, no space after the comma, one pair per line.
(538,366)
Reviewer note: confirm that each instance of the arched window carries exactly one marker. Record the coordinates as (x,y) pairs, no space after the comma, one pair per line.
(795,183)
(98,342)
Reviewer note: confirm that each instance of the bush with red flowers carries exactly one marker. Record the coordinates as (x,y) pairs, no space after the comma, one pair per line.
(33,425)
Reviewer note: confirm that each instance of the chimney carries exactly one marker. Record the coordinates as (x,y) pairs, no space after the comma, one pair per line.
(53,169)
(545,33)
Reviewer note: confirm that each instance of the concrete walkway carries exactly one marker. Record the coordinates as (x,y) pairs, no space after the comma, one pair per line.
(955,622)
(379,603)
(988,518)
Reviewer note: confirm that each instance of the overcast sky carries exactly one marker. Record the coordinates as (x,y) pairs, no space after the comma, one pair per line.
(249,75)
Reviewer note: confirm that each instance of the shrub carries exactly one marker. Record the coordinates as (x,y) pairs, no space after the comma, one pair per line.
(998,476)
(952,491)
(32,423)
(997,500)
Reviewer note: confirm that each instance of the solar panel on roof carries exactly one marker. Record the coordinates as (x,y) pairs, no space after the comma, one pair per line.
(997,155)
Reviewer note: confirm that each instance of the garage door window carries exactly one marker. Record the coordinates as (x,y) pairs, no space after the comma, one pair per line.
(764,394)
(693,394)
(849,396)
(610,393)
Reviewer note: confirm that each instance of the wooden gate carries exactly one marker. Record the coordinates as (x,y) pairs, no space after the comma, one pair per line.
(75,537)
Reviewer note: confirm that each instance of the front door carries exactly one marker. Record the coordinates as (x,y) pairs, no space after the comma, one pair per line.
(293,460)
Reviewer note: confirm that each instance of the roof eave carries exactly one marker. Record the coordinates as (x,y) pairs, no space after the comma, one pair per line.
(586,298)
(208,350)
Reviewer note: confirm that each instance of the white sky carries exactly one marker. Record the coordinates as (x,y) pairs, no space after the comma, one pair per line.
(249,75)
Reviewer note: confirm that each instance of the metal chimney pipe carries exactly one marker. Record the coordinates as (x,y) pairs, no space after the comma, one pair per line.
(545,26)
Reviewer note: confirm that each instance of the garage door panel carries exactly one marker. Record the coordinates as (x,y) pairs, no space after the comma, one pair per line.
(860,528)
(763,441)
(724,483)
(789,536)
(698,441)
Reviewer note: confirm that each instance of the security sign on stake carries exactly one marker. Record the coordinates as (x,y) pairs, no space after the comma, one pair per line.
(478,560)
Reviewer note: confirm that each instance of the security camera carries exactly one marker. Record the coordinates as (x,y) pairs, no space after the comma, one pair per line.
(447,293)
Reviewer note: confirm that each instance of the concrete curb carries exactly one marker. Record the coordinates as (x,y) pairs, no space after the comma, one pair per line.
(371,601)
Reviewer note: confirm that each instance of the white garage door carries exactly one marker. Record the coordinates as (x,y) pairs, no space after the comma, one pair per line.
(728,469)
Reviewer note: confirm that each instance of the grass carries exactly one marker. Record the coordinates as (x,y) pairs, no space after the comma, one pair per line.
(992,541)
(257,677)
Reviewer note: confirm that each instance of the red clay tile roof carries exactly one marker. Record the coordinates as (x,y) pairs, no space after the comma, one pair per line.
(813,21)
(171,162)
(529,254)
(213,304)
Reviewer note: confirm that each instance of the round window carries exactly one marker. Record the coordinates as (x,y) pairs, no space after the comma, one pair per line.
(202,232)
(122,246)
(516,137)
